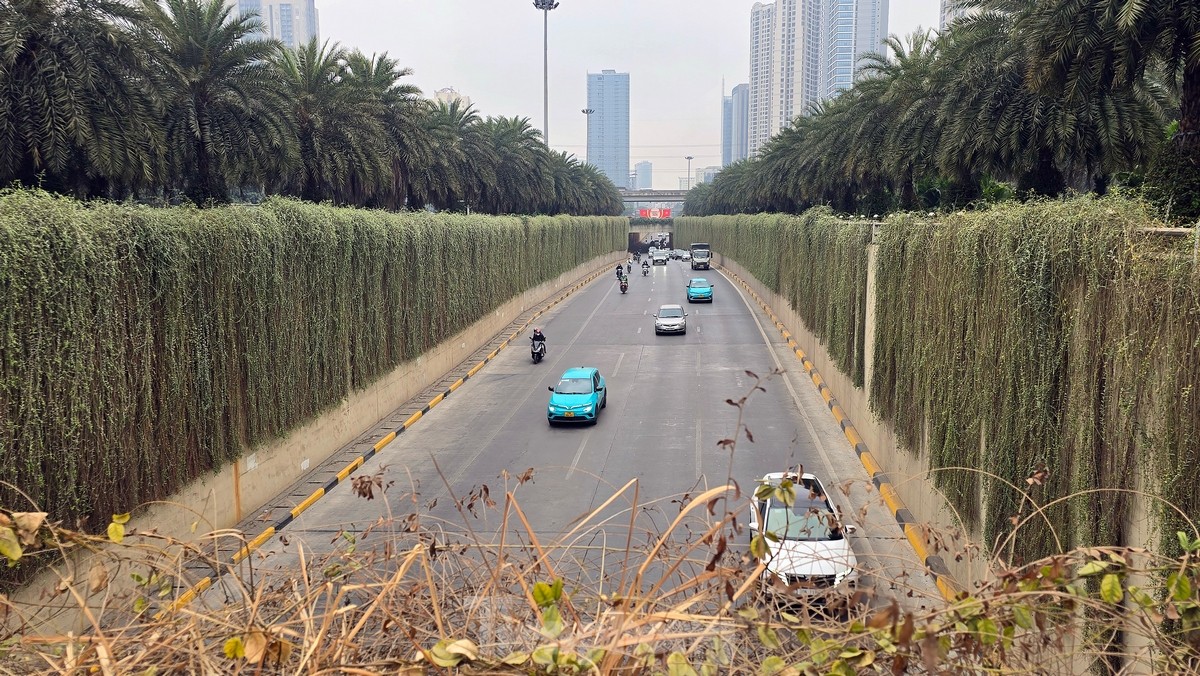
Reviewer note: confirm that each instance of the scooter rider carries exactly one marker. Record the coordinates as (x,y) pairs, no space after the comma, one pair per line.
(620,270)
(537,337)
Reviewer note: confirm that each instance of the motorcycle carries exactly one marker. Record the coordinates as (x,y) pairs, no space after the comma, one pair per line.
(645,271)
(624,285)
(537,350)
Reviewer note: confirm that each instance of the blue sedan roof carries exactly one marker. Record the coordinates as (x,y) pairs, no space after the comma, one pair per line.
(578,372)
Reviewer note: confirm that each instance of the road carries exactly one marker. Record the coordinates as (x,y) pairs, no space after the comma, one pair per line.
(667,411)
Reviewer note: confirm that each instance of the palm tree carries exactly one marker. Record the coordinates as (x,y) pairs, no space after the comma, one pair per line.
(1083,47)
(403,116)
(522,185)
(464,161)
(345,151)
(901,95)
(1044,139)
(76,110)
(225,118)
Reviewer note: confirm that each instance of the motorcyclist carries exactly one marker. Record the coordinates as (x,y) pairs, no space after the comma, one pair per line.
(620,270)
(629,267)
(537,337)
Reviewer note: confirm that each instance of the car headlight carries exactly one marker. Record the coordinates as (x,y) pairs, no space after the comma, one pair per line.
(587,408)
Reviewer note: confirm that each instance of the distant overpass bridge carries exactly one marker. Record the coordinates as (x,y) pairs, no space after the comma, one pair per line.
(634,196)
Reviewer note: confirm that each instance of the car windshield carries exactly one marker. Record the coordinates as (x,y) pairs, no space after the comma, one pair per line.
(670,312)
(806,521)
(574,386)
(700,284)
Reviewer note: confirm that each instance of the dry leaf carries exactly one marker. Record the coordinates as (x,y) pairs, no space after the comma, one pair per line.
(97,578)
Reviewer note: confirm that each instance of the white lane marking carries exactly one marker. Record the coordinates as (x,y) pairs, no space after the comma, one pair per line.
(619,358)
(579,454)
(639,329)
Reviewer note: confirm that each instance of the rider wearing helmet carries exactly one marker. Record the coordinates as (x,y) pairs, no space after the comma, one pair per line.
(537,336)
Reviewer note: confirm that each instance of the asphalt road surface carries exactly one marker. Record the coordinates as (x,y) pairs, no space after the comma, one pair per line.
(667,411)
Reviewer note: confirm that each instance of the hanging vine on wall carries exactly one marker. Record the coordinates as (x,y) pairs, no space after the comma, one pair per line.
(1050,333)
(141,348)
(816,261)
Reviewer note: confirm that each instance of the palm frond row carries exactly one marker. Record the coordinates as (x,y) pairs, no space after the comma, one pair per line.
(184,99)
(1019,96)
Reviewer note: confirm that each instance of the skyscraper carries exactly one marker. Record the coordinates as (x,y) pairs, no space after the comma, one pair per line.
(644,171)
(853,28)
(951,11)
(803,52)
(608,125)
(762,27)
(293,22)
(726,130)
(450,95)
(740,132)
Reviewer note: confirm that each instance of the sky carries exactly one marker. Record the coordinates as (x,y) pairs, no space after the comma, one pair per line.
(677,54)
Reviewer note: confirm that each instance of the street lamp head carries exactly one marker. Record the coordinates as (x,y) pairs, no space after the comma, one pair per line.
(587,111)
(545,4)
(689,158)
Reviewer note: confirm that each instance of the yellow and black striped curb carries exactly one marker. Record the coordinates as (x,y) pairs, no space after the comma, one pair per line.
(249,548)
(913,531)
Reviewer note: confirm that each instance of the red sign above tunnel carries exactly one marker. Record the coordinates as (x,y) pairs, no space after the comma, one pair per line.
(654,213)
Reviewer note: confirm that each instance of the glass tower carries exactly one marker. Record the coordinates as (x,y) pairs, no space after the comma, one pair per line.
(608,125)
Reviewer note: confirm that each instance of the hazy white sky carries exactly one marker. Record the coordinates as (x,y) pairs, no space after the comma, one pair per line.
(675,51)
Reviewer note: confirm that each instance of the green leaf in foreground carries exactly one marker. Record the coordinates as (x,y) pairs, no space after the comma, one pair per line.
(1110,588)
(10,547)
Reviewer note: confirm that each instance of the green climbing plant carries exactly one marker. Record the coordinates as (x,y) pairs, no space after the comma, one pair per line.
(141,348)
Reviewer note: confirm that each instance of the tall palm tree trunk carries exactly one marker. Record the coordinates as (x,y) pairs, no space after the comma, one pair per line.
(1188,139)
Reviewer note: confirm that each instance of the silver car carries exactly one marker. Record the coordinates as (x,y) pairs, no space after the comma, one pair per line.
(808,555)
(670,319)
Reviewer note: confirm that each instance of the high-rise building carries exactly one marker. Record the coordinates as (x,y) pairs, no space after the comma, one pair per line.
(813,53)
(293,22)
(705,175)
(951,11)
(608,125)
(644,173)
(740,128)
(449,95)
(853,29)
(762,26)
(726,130)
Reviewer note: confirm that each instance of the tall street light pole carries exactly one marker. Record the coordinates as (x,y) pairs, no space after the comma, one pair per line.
(588,153)
(545,6)
(689,158)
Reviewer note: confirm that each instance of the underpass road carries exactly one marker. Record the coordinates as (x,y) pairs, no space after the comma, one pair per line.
(666,412)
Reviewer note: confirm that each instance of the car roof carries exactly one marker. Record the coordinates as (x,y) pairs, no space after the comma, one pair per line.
(579,372)
(670,307)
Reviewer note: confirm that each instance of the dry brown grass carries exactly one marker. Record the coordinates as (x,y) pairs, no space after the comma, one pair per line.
(416,597)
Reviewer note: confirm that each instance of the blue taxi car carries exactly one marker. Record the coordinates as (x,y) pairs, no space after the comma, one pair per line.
(578,396)
(699,289)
